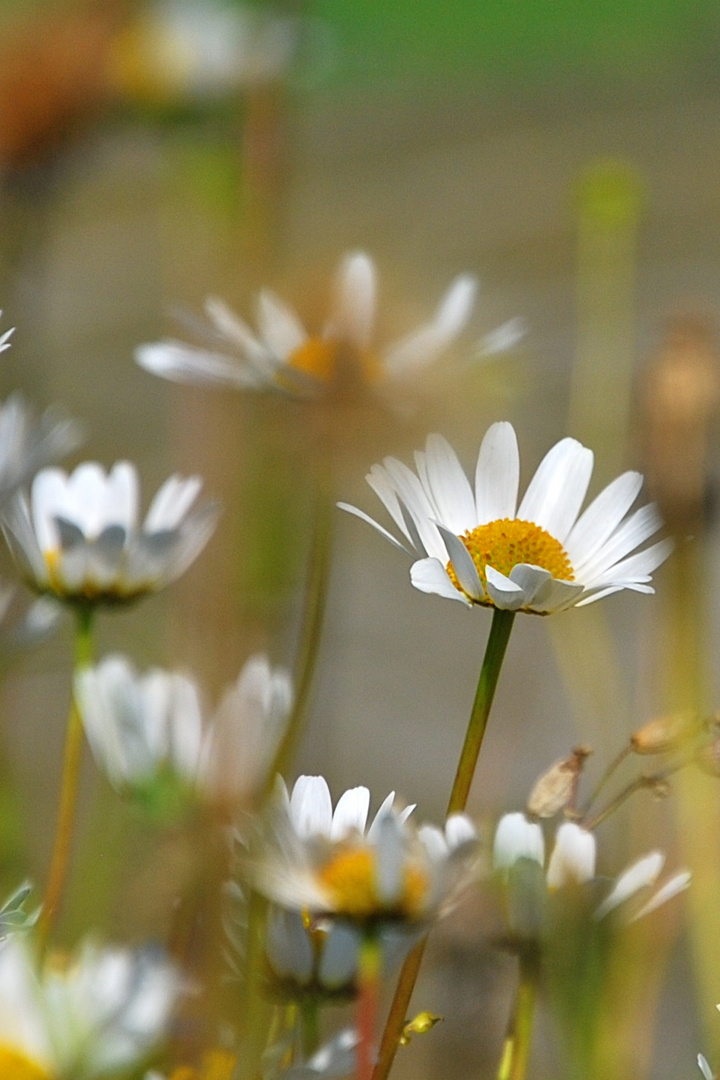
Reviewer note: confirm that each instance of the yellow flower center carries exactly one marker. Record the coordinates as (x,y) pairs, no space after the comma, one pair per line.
(15,1066)
(216,1065)
(506,543)
(328,360)
(351,879)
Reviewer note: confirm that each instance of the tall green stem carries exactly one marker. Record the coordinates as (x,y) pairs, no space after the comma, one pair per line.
(516,1051)
(500,630)
(72,759)
(311,632)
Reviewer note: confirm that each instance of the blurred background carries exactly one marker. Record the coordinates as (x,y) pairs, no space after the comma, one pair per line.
(152,154)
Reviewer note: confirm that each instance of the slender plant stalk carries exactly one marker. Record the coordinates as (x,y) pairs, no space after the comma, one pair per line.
(369,968)
(311,633)
(516,1051)
(309,1026)
(500,630)
(69,787)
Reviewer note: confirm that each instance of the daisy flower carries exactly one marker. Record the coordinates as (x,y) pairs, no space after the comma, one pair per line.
(329,862)
(142,728)
(27,444)
(282,355)
(97,1017)
(519,857)
(77,537)
(478,546)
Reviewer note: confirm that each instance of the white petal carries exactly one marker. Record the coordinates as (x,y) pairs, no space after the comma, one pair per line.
(350,813)
(601,518)
(172,503)
(573,857)
(459,829)
(354,314)
(430,576)
(365,517)
(517,838)
(503,592)
(642,873)
(463,565)
(428,342)
(497,474)
(279,326)
(671,888)
(311,807)
(557,489)
(449,488)
(183,363)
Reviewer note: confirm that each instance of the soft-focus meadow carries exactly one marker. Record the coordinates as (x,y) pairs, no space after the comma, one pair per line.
(566,156)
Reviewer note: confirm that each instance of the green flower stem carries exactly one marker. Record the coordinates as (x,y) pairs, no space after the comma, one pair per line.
(369,970)
(499,636)
(311,632)
(69,787)
(516,1050)
(309,1025)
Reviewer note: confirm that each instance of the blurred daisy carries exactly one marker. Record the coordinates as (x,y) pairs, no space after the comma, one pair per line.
(146,729)
(95,1018)
(329,862)
(27,444)
(282,355)
(179,51)
(77,537)
(542,556)
(519,857)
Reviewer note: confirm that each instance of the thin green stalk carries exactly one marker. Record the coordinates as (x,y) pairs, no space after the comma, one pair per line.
(309,1025)
(311,632)
(72,760)
(516,1050)
(369,968)
(500,630)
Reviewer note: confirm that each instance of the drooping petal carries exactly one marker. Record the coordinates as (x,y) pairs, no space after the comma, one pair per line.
(430,576)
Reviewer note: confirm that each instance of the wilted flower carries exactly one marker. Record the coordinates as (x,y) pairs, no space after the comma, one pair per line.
(96,1017)
(283,356)
(540,557)
(78,537)
(150,728)
(328,863)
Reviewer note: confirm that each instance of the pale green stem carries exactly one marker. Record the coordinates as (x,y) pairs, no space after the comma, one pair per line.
(516,1049)
(500,630)
(311,632)
(72,760)
(309,1025)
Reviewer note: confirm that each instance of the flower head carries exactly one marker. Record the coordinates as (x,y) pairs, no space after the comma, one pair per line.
(327,862)
(542,556)
(98,1016)
(78,537)
(282,355)
(519,856)
(143,729)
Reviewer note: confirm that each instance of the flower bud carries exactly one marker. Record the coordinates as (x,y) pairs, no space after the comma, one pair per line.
(662,734)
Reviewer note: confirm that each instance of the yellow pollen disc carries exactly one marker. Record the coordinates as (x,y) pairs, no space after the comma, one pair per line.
(505,543)
(350,877)
(316,357)
(15,1066)
(216,1065)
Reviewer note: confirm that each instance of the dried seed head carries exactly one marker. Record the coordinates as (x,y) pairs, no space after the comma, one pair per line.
(555,790)
(663,734)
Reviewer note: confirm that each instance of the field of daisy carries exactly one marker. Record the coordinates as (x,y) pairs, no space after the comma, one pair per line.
(359,401)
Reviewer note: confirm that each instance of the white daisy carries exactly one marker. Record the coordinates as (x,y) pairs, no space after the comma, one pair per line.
(542,556)
(27,444)
(328,862)
(78,537)
(96,1017)
(141,728)
(519,845)
(284,356)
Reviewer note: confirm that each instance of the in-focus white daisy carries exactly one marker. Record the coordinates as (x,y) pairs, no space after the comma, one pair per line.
(282,355)
(329,862)
(519,845)
(478,546)
(96,1017)
(143,729)
(78,536)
